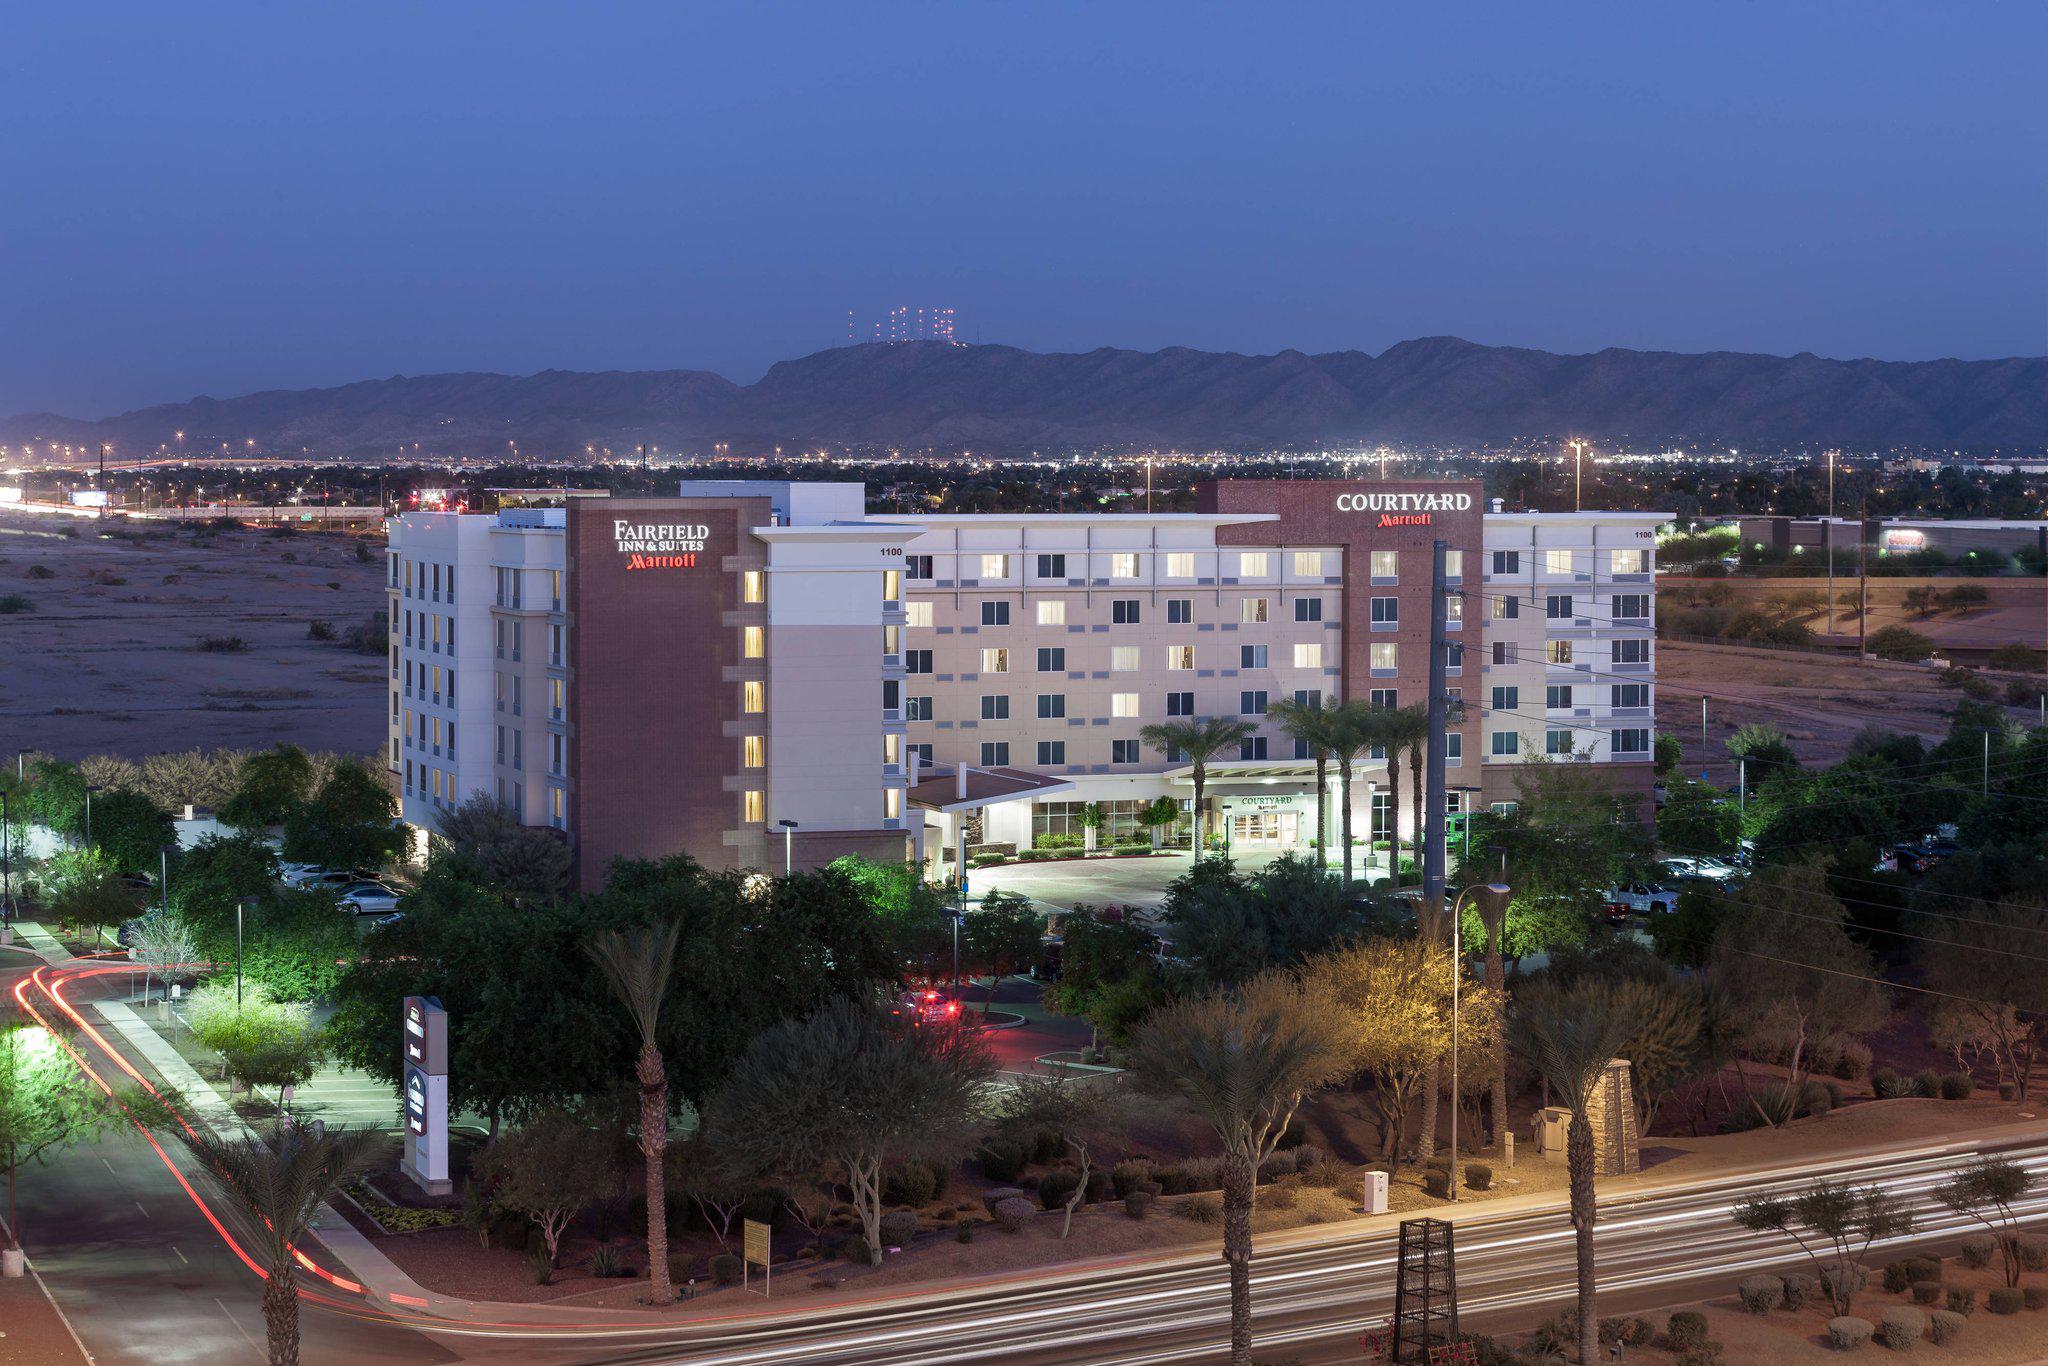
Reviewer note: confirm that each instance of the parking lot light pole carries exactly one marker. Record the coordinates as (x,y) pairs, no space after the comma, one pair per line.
(788,846)
(240,907)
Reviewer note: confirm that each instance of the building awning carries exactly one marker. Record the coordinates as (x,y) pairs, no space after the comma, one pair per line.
(966,788)
(1250,771)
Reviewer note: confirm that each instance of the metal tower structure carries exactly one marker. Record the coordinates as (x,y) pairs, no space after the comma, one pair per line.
(1425,1292)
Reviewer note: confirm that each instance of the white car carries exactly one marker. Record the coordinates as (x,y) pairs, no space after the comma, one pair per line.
(307,875)
(368,898)
(1700,865)
(1640,898)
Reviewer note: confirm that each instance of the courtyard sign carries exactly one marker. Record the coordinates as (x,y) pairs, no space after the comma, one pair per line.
(1404,503)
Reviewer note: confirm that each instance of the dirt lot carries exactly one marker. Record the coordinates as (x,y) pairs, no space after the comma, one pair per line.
(107,658)
(2017,610)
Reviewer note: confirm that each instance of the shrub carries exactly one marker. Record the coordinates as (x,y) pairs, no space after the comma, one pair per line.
(2004,1299)
(1957,1086)
(1278,1165)
(1327,1175)
(2008,1091)
(1896,1278)
(1815,1099)
(1172,1181)
(1977,1252)
(41,571)
(1853,1060)
(2034,1296)
(987,860)
(1139,1203)
(15,603)
(1927,1084)
(1202,1209)
(1436,1181)
(1761,1294)
(1923,1269)
(606,1264)
(1478,1176)
(991,1198)
(963,1232)
(1046,1146)
(1944,1326)
(319,630)
(1847,1333)
(2032,1250)
(1000,1160)
(1706,1354)
(1013,1214)
(1886,1084)
(1685,1329)
(898,1227)
(1055,1187)
(1639,1332)
(913,1183)
(1101,1187)
(1902,1327)
(542,1265)
(1926,1292)
(727,1269)
(1128,1176)
(1799,1288)
(1854,1279)
(1204,1173)
(1962,1300)
(1282,1193)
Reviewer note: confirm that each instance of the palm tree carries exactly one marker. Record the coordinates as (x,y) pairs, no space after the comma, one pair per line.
(1315,726)
(1200,739)
(1569,1037)
(1354,730)
(1242,1063)
(1410,731)
(1493,914)
(637,963)
(277,1194)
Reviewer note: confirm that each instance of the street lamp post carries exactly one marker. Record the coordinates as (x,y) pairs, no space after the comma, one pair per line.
(1499,892)
(241,906)
(788,846)
(6,875)
(88,813)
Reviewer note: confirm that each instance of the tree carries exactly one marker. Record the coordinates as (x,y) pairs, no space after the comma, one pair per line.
(1198,740)
(1669,751)
(1108,975)
(284,1055)
(1834,1224)
(1697,819)
(845,1085)
(130,831)
(84,889)
(1569,1037)
(1242,1063)
(1764,750)
(526,863)
(1084,1114)
(1899,642)
(192,777)
(549,1169)
(1996,992)
(56,796)
(1407,733)
(1001,936)
(273,783)
(46,1103)
(1314,726)
(1231,927)
(637,964)
(159,943)
(348,823)
(274,1196)
(1990,1190)
(1355,730)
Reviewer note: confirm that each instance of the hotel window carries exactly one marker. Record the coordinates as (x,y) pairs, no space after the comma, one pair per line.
(1506,652)
(437,630)
(1124,659)
(1454,609)
(1124,612)
(558,808)
(918,614)
(1383,699)
(892,584)
(1558,696)
(750,806)
(394,704)
(753,696)
(1632,740)
(556,691)
(1506,699)
(995,614)
(1052,612)
(995,661)
(1454,657)
(753,751)
(1386,611)
(1557,561)
(1052,659)
(1557,606)
(1308,655)
(1052,706)
(923,753)
(437,735)
(558,752)
(995,707)
(1180,611)
(892,803)
(1454,749)
(1123,705)
(1251,656)
(1631,695)
(1628,562)
(1051,753)
(1557,651)
(1386,656)
(1252,747)
(1631,652)
(437,583)
(1506,607)
(408,775)
(1251,610)
(995,753)
(917,709)
(1180,564)
(518,695)
(1631,606)
(750,585)
(1180,704)
(1557,742)
(1308,564)
(1123,565)
(917,566)
(437,682)
(437,784)
(1507,742)
(1507,561)
(498,638)
(892,640)
(917,661)
(1386,564)
(1308,609)
(1454,564)
(751,642)
(1126,751)
(1312,698)
(1052,566)
(1251,702)
(555,589)
(1251,564)
(519,750)
(995,566)
(892,695)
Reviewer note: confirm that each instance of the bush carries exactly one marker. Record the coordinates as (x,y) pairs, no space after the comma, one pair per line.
(727,1269)
(1957,1086)
(963,1232)
(1854,1279)
(1436,1181)
(224,645)
(2032,1250)
(1172,1181)
(15,603)
(1128,1176)
(1927,1084)
(2034,1296)
(1944,1326)
(2004,1299)
(1902,1327)
(898,1227)
(1478,1176)
(542,1265)
(991,1198)
(1046,1146)
(1761,1294)
(913,1183)
(1978,1251)
(1278,1165)
(1896,1278)
(1139,1203)
(1923,1269)
(319,630)
(1283,1193)
(1852,1061)
(1203,1173)
(1202,1209)
(1799,1288)
(1326,1175)
(1013,1214)
(987,860)
(2007,1091)
(1847,1333)
(1686,1329)
(1886,1084)
(1055,1187)
(1639,1332)
(1926,1292)
(1000,1160)
(606,1264)
(1962,1300)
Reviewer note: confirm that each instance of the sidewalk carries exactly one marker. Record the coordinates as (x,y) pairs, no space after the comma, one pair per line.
(36,1334)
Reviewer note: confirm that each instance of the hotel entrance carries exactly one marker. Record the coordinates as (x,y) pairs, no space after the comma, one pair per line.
(1265,829)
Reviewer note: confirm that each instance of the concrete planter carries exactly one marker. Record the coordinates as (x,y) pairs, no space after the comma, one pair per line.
(13,1263)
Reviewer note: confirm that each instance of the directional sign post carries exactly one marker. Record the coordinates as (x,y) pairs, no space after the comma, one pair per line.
(424,1045)
(756,1245)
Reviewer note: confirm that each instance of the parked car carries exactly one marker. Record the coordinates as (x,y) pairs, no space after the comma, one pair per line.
(1918,858)
(1050,951)
(926,1006)
(367,898)
(1640,898)
(334,879)
(1700,866)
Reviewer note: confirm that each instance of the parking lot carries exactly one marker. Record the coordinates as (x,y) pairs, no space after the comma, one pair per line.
(1064,884)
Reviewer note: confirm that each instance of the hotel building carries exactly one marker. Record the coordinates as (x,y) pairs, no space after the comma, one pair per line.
(762,673)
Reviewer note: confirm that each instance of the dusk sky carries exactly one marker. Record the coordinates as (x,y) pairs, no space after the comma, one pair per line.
(216,198)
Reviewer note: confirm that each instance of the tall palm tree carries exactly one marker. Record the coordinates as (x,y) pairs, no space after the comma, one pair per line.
(1382,726)
(637,963)
(1569,1037)
(1242,1063)
(1354,729)
(1315,726)
(1493,914)
(1200,739)
(276,1194)
(1410,732)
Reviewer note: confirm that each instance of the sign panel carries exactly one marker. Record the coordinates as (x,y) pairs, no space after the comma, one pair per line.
(756,1249)
(423,1044)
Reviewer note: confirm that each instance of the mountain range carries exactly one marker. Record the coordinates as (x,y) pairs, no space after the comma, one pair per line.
(940,396)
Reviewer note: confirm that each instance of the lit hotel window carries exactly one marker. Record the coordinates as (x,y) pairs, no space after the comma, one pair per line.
(1308,564)
(1454,564)
(1252,610)
(1180,565)
(892,584)
(1052,613)
(1123,704)
(750,641)
(1629,562)
(892,749)
(751,749)
(1308,655)
(892,802)
(1558,651)
(1557,561)
(1180,656)
(892,640)
(1386,656)
(1386,564)
(1123,659)
(558,808)
(996,661)
(918,614)
(750,807)
(751,695)
(1123,565)
(750,586)
(995,566)
(1251,564)
(1454,609)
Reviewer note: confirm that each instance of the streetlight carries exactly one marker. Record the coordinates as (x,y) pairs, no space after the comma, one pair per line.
(788,845)
(243,906)
(1498,892)
(1578,456)
(6,875)
(88,813)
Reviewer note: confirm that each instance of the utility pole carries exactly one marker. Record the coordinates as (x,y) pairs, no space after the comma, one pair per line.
(1828,541)
(1987,763)
(1862,576)
(1432,831)
(1578,473)
(1703,737)
(1742,790)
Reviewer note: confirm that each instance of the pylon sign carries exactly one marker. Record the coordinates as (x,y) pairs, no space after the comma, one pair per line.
(423,1042)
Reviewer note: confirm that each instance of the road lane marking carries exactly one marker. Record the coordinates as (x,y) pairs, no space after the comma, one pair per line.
(181,1256)
(243,1331)
(138,1205)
